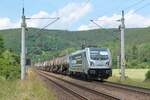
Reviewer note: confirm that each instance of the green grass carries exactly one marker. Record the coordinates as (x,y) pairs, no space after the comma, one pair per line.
(135,77)
(138,74)
(31,89)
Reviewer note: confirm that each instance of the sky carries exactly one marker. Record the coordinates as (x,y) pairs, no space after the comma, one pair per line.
(75,14)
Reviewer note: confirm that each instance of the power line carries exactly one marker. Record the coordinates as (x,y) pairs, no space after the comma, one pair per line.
(48,24)
(141,7)
(37,32)
(130,6)
(93,21)
(135,4)
(126,8)
(114,31)
(41,18)
(105,20)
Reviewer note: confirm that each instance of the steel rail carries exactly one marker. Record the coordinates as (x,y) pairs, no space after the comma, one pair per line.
(69,90)
(127,87)
(108,96)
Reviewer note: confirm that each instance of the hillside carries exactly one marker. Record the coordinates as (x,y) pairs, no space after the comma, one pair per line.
(48,43)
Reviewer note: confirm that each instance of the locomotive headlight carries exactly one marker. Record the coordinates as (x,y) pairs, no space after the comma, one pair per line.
(107,63)
(92,72)
(91,63)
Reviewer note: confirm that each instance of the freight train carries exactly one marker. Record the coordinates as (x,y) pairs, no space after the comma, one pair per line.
(89,63)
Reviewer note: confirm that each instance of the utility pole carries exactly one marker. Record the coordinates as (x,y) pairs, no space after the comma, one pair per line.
(23,49)
(122,48)
(122,58)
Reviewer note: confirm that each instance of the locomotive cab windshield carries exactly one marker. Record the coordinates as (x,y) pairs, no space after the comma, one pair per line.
(99,57)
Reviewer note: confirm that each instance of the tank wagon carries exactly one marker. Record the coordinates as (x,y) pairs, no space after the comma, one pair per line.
(89,63)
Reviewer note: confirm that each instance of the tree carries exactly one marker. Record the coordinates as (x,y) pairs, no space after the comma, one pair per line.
(147,75)
(134,52)
(66,51)
(1,45)
(9,65)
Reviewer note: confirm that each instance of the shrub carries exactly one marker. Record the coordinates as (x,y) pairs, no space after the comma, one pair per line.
(1,45)
(9,66)
(147,75)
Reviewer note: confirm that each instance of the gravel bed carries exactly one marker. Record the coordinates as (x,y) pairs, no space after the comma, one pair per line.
(85,93)
(118,92)
(59,93)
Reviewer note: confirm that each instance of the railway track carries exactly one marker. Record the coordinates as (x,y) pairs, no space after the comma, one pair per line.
(79,91)
(128,87)
(66,89)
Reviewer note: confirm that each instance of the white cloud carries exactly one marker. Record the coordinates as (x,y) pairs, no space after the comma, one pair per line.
(136,20)
(132,20)
(75,11)
(6,23)
(84,27)
(69,14)
(38,22)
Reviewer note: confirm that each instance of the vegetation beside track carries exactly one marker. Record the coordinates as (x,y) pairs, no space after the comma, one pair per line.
(9,63)
(30,89)
(53,43)
(135,77)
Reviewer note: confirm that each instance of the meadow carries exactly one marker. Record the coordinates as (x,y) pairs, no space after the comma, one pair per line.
(138,74)
(135,77)
(34,89)
(31,89)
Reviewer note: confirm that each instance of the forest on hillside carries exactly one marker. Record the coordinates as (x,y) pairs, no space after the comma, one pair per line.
(46,44)
(9,63)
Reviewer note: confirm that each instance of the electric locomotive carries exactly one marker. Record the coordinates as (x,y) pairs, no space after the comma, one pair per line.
(89,63)
(92,63)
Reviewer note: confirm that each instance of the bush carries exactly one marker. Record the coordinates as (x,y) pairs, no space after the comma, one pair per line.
(147,75)
(1,45)
(9,66)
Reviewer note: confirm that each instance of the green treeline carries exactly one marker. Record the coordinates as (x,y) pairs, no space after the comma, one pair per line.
(9,63)
(47,44)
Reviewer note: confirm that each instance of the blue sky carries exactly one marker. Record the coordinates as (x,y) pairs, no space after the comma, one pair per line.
(75,14)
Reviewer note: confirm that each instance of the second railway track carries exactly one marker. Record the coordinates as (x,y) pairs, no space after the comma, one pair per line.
(128,87)
(81,92)
(106,90)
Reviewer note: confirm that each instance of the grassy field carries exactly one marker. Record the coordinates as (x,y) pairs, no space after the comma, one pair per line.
(138,74)
(31,89)
(135,77)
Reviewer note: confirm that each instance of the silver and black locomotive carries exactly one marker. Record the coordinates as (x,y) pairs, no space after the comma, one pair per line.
(89,63)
